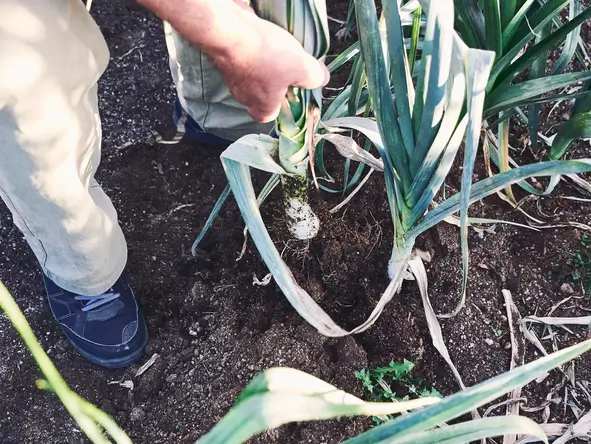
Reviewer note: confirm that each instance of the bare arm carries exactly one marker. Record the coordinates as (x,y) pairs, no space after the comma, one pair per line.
(257,59)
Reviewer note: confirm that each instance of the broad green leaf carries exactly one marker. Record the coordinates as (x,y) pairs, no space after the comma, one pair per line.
(478,65)
(344,57)
(471,21)
(508,10)
(438,178)
(394,154)
(357,85)
(548,98)
(512,27)
(528,30)
(529,23)
(577,126)
(583,103)
(433,78)
(379,90)
(508,73)
(400,76)
(572,41)
(538,70)
(454,107)
(259,151)
(472,431)
(511,96)
(493,26)
(414,40)
(486,187)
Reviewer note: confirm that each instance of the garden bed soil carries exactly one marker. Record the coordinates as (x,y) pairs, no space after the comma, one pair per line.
(214,331)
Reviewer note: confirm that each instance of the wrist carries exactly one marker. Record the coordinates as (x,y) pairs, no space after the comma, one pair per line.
(216,27)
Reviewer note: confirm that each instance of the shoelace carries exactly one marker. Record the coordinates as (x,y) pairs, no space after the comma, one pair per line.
(97,301)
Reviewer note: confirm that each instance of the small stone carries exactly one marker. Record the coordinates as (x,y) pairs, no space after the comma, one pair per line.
(489,341)
(567,289)
(507,346)
(171,378)
(137,414)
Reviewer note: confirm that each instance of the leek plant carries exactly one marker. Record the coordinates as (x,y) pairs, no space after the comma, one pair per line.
(282,395)
(300,113)
(522,33)
(418,130)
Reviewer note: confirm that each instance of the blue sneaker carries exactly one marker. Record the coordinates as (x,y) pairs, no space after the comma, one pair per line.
(193,131)
(107,329)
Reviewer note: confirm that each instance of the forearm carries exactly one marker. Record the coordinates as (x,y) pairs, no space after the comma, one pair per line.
(258,60)
(214,26)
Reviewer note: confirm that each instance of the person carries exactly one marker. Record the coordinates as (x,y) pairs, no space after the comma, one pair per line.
(231,70)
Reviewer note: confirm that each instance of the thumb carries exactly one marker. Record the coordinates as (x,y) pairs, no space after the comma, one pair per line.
(313,74)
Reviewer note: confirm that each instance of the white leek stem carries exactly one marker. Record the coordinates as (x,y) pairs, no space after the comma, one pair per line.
(399,258)
(302,222)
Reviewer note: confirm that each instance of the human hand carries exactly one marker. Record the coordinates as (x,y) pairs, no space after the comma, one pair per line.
(269,60)
(258,60)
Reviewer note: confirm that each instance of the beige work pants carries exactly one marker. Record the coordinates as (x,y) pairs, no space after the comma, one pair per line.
(51,56)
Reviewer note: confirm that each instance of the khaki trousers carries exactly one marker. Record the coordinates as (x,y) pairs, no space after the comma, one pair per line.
(51,57)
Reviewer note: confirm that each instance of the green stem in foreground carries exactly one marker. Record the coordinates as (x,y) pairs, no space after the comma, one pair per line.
(86,415)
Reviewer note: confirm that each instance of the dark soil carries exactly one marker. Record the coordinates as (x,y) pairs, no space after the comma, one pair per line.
(214,331)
